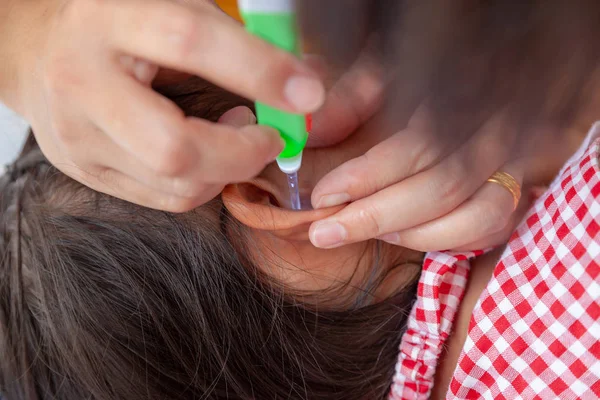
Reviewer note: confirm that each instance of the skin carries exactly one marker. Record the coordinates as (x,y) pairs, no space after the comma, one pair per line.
(118,136)
(413,191)
(281,242)
(262,205)
(115,134)
(160,168)
(93,129)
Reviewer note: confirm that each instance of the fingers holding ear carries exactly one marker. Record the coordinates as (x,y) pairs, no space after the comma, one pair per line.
(390,202)
(391,161)
(484,220)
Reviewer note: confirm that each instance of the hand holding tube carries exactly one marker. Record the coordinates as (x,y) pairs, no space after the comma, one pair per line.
(83,76)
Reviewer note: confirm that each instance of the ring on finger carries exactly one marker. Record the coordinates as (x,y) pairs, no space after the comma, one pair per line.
(508,182)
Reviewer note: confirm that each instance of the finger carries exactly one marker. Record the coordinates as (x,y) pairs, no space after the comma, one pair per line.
(120,175)
(100,153)
(238,117)
(504,235)
(143,71)
(156,132)
(192,39)
(351,101)
(230,154)
(141,122)
(119,185)
(492,241)
(402,155)
(418,199)
(484,219)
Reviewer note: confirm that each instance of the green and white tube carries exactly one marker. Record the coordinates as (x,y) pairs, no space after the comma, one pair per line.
(275,22)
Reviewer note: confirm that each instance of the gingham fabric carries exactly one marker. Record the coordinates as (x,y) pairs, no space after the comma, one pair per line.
(535,331)
(439,292)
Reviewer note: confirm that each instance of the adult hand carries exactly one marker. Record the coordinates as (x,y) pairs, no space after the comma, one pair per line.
(84,83)
(411,189)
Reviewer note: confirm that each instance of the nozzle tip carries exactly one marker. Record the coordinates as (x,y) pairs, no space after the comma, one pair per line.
(290,165)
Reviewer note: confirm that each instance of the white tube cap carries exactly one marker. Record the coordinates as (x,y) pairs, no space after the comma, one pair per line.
(290,165)
(273,6)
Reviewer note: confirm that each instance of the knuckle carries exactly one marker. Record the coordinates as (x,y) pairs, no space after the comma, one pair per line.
(349,178)
(251,150)
(176,204)
(253,141)
(188,188)
(368,177)
(369,221)
(170,152)
(422,156)
(84,13)
(185,33)
(492,218)
(449,188)
(388,150)
(171,158)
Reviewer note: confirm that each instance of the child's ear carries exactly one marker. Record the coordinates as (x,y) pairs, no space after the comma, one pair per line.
(255,206)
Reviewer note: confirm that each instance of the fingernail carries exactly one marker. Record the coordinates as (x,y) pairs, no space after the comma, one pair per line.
(238,117)
(304,93)
(251,118)
(144,71)
(391,238)
(331,200)
(328,235)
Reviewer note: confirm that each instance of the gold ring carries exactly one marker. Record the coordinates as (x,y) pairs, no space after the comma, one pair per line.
(508,182)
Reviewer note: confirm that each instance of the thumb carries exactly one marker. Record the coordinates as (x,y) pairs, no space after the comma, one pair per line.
(354,99)
(238,117)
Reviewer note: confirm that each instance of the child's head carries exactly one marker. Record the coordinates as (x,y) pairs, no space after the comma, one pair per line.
(103,299)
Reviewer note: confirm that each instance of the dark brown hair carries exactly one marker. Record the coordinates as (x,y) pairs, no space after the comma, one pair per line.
(101,299)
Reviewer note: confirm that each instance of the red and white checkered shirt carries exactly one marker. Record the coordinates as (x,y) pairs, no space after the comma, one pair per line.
(535,331)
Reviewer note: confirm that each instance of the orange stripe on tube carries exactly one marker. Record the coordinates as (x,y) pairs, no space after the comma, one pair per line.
(230,7)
